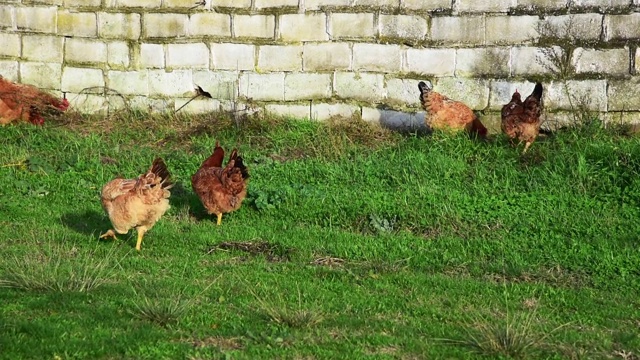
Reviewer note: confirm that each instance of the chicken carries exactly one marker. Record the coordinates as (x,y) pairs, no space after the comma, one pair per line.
(444,113)
(26,103)
(522,119)
(138,203)
(221,189)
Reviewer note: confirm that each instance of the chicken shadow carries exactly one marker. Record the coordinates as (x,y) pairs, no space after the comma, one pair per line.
(185,200)
(90,222)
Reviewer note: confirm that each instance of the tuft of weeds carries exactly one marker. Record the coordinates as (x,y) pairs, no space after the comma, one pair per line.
(281,313)
(162,311)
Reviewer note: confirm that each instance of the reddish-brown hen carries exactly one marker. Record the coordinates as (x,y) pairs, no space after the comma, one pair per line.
(522,119)
(26,103)
(446,114)
(221,189)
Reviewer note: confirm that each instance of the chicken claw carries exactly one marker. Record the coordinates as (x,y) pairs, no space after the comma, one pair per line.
(109,234)
(141,232)
(219,222)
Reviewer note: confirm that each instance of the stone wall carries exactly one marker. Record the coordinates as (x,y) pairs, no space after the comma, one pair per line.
(319,58)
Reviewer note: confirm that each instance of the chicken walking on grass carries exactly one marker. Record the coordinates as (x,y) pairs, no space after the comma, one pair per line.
(20,102)
(522,119)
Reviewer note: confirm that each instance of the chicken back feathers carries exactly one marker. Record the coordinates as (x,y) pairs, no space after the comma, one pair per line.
(522,119)
(446,114)
(221,189)
(138,203)
(26,103)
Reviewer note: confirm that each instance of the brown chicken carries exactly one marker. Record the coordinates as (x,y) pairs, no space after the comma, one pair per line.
(26,103)
(221,189)
(137,202)
(522,119)
(446,114)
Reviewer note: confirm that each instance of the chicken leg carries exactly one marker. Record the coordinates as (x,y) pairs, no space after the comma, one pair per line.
(219,222)
(141,231)
(109,234)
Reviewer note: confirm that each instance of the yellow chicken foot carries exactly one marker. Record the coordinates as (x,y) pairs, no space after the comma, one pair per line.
(141,233)
(109,234)
(526,146)
(219,219)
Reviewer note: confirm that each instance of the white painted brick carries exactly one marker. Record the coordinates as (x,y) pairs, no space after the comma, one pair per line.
(78,79)
(9,70)
(222,85)
(437,62)
(84,50)
(262,4)
(43,75)
(88,103)
(262,87)
(303,27)
(472,92)
(501,92)
(82,24)
(359,86)
(622,26)
(228,56)
(542,4)
(151,105)
(180,4)
(579,26)
(509,29)
(118,54)
(478,62)
(187,55)
(395,120)
(527,60)
(231,3)
(165,25)
(326,56)
(589,94)
(377,57)
(322,112)
(44,48)
(210,24)
(280,58)
(637,60)
(119,26)
(485,6)
(147,4)
(403,91)
(254,26)
(81,3)
(7,17)
(468,29)
(10,44)
(609,61)
(174,83)
(352,25)
(377,3)
(37,19)
(628,117)
(320,4)
(422,5)
(298,86)
(291,111)
(403,26)
(601,3)
(197,106)
(152,55)
(129,82)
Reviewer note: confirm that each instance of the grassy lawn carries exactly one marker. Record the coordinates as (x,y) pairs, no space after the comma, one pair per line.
(353,242)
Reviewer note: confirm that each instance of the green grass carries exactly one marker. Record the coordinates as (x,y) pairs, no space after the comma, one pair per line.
(353,242)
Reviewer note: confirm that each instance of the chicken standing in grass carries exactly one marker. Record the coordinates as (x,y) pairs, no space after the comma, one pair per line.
(522,119)
(221,189)
(137,203)
(26,103)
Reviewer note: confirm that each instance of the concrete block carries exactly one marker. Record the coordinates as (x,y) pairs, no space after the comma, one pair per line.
(129,82)
(608,61)
(43,75)
(85,50)
(180,4)
(472,92)
(262,87)
(637,60)
(322,4)
(78,79)
(578,26)
(395,120)
(352,25)
(624,95)
(144,4)
(421,5)
(280,58)
(485,6)
(7,18)
(11,45)
(299,86)
(601,3)
(403,91)
(81,24)
(468,29)
(526,60)
(210,24)
(542,4)
(227,56)
(359,86)
(408,27)
(263,4)
(197,106)
(622,26)
(158,25)
(326,56)
(290,111)
(9,70)
(436,62)
(151,55)
(151,105)
(37,19)
(502,90)
(242,4)
(582,94)
(118,54)
(43,48)
(322,111)
(254,26)
(388,4)
(303,27)
(478,62)
(119,26)
(377,57)
(195,55)
(222,85)
(626,117)
(173,84)
(510,29)
(89,103)
(81,3)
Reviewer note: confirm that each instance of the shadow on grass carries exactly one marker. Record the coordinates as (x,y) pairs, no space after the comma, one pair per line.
(90,222)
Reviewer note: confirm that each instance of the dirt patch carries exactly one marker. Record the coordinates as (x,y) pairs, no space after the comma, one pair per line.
(219,342)
(271,252)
